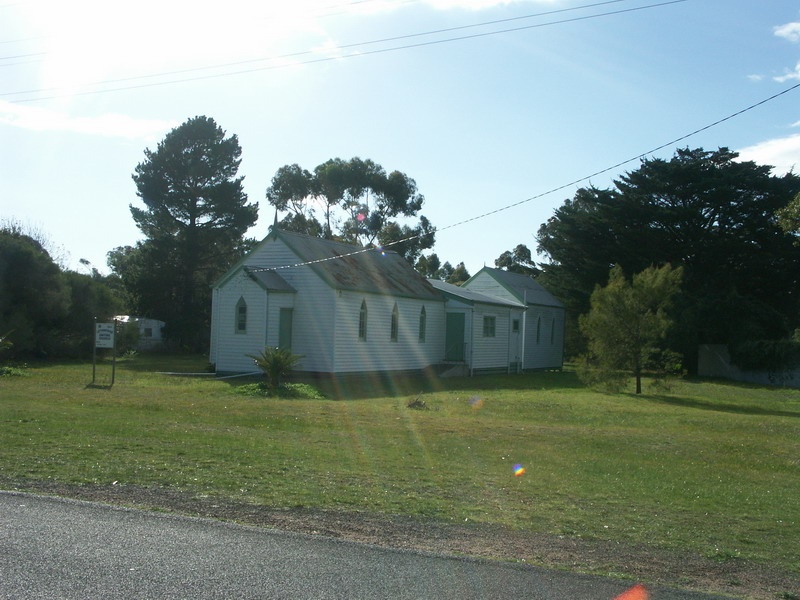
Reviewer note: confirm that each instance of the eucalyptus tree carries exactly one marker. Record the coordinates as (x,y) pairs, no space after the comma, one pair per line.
(359,203)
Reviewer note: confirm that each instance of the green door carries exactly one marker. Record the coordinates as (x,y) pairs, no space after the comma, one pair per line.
(285,329)
(454,337)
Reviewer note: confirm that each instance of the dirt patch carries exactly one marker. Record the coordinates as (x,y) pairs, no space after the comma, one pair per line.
(735,577)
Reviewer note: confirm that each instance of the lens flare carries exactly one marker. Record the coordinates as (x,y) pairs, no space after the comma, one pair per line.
(637,592)
(519,470)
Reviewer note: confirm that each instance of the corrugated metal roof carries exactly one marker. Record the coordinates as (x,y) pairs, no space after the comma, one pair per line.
(348,267)
(524,288)
(470,297)
(270,280)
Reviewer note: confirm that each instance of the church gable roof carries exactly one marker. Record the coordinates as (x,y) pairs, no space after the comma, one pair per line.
(471,297)
(524,288)
(348,267)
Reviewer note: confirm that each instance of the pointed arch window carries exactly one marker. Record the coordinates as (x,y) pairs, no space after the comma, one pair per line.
(395,323)
(362,321)
(553,331)
(423,324)
(241,316)
(538,329)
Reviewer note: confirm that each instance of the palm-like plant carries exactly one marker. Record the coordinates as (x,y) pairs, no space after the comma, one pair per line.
(276,364)
(5,343)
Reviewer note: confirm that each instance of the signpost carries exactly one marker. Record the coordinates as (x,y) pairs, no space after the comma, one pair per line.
(104,337)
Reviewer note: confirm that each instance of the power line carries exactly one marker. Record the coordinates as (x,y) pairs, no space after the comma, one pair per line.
(548,192)
(344,47)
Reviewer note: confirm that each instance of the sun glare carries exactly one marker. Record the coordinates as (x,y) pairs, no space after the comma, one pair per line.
(93,42)
(96,41)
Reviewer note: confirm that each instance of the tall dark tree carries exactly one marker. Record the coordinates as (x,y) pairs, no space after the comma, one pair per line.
(705,211)
(194,219)
(361,204)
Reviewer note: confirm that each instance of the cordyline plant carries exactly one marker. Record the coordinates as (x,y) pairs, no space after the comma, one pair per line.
(5,343)
(276,364)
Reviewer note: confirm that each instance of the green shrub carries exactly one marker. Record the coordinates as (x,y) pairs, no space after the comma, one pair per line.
(601,378)
(276,364)
(287,390)
(13,371)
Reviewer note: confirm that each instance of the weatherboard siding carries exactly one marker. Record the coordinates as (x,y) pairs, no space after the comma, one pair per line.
(544,338)
(486,284)
(490,352)
(312,317)
(325,321)
(544,351)
(378,352)
(230,349)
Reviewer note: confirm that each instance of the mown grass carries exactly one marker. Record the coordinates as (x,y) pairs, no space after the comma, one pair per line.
(708,467)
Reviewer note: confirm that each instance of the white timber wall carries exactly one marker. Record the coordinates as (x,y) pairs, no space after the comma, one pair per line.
(312,318)
(542,351)
(491,352)
(544,337)
(486,284)
(378,352)
(229,348)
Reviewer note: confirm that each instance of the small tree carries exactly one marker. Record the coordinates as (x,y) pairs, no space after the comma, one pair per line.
(789,218)
(628,320)
(276,364)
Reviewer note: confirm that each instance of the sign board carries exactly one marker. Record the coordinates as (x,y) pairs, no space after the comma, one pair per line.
(104,335)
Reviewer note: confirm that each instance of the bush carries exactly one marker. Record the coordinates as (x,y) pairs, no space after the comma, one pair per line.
(13,371)
(595,376)
(301,391)
(276,364)
(766,355)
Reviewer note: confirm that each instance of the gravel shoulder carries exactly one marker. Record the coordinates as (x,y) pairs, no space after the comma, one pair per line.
(737,578)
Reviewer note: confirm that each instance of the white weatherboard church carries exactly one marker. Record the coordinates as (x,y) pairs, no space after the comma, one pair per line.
(347,310)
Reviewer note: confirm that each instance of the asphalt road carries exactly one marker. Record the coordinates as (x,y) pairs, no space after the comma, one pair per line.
(52,548)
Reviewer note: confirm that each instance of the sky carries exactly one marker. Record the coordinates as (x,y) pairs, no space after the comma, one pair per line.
(498,109)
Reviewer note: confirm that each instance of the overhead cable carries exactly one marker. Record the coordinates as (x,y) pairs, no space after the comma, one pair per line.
(352,46)
(542,194)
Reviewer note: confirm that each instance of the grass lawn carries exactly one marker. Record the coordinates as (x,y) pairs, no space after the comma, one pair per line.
(708,467)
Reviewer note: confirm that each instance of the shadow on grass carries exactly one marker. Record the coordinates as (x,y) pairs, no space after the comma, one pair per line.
(378,385)
(716,406)
(154,362)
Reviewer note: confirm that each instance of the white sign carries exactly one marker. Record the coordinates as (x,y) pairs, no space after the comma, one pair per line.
(104,335)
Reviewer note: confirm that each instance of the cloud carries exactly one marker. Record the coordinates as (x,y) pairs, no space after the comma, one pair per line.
(107,125)
(790,75)
(789,31)
(781,153)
